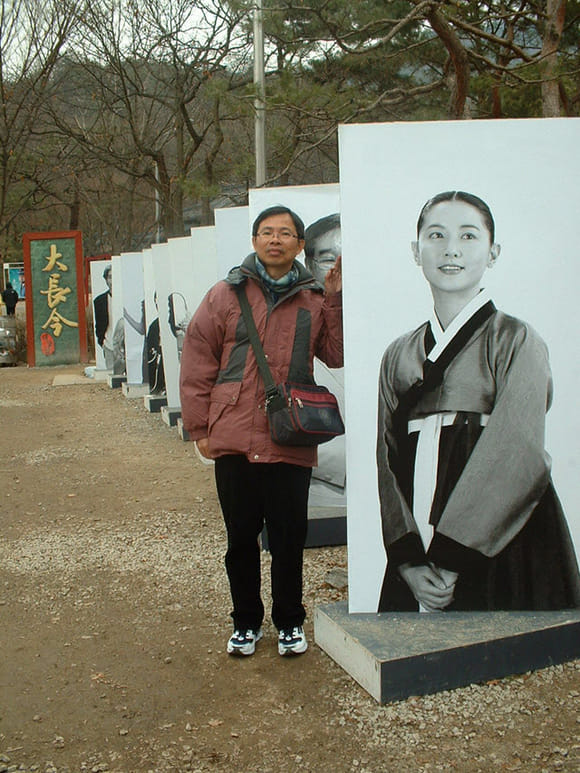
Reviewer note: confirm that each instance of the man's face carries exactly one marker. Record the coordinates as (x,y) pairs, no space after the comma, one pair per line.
(109,280)
(277,244)
(327,248)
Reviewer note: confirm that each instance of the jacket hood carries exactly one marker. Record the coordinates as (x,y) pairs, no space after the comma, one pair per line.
(240,274)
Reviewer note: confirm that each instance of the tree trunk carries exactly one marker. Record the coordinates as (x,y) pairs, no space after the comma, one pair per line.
(459,63)
(555,17)
(174,215)
(177,227)
(75,211)
(170,202)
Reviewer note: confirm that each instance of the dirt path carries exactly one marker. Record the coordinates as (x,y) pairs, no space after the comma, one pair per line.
(114,617)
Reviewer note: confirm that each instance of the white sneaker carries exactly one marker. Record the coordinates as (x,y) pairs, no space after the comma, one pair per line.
(292,641)
(243,641)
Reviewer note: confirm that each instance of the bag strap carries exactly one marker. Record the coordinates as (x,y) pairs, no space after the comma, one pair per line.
(271,388)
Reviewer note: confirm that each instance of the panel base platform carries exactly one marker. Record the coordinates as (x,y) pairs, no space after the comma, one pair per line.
(170,415)
(181,431)
(115,382)
(154,403)
(97,374)
(326,528)
(396,655)
(132,391)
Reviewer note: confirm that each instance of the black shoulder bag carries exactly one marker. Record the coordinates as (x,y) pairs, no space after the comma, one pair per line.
(298,414)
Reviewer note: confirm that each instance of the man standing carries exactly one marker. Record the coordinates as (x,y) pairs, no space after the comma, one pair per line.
(103,319)
(223,410)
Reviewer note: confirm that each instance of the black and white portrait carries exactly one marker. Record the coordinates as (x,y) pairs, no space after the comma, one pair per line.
(459,451)
(102,291)
(184,268)
(318,206)
(322,247)
(469,514)
(134,317)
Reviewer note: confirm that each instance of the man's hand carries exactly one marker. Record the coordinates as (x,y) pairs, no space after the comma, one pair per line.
(203,447)
(333,279)
(428,586)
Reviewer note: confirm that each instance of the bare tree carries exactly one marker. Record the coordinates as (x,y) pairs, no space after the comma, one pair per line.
(33,35)
(155,70)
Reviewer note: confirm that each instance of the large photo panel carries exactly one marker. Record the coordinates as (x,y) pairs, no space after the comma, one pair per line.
(173,272)
(232,237)
(101,286)
(310,202)
(154,372)
(134,321)
(184,270)
(117,321)
(526,171)
(319,208)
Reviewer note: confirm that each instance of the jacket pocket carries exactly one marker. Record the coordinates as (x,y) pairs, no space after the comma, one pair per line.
(222,396)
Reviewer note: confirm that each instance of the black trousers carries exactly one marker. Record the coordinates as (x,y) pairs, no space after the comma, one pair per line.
(251,495)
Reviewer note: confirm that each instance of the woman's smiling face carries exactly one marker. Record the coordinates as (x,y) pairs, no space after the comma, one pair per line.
(454,248)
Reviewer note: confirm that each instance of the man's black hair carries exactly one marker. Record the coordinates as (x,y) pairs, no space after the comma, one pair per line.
(278,209)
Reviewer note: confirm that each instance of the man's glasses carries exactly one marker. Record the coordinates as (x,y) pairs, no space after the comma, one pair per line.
(284,235)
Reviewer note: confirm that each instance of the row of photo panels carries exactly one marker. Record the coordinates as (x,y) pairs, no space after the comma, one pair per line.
(415,204)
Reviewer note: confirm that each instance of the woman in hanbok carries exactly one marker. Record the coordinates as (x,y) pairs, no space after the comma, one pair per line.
(470,517)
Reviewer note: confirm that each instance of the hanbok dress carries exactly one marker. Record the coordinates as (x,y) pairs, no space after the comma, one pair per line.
(464,479)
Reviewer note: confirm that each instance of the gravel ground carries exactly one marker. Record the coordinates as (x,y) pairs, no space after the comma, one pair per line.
(114,614)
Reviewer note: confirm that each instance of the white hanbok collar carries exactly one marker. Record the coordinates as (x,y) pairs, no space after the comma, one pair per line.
(444,337)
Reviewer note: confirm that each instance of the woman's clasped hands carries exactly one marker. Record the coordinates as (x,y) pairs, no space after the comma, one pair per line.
(432,586)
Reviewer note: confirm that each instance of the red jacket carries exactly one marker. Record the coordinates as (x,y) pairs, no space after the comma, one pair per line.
(222,392)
